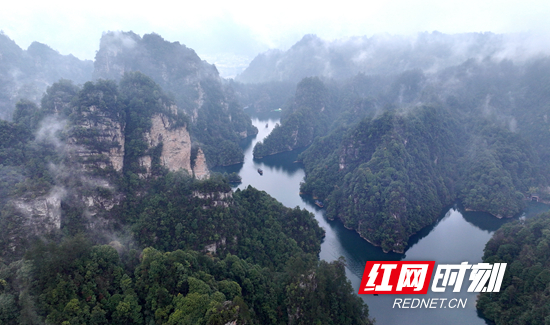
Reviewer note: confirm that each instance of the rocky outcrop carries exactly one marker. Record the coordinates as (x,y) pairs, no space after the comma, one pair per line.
(96,202)
(176,144)
(200,170)
(43,214)
(145,162)
(214,198)
(97,140)
(196,87)
(212,248)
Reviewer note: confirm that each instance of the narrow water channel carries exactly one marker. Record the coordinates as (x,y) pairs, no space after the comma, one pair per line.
(455,238)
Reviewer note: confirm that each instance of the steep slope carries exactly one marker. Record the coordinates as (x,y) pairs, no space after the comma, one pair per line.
(110,164)
(217,122)
(388,177)
(523,297)
(27,73)
(90,142)
(307,117)
(495,110)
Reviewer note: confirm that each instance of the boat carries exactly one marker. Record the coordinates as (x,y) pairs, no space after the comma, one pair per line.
(260,171)
(319,203)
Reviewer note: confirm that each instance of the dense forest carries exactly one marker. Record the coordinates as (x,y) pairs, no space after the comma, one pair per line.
(104,221)
(110,214)
(387,152)
(303,120)
(524,295)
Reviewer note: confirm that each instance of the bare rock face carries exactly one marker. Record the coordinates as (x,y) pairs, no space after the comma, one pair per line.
(193,82)
(176,144)
(43,214)
(145,162)
(107,135)
(200,170)
(97,141)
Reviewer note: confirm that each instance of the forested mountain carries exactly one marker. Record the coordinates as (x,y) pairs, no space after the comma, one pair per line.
(102,222)
(477,131)
(27,73)
(524,294)
(305,118)
(109,213)
(262,97)
(217,121)
(377,55)
(71,154)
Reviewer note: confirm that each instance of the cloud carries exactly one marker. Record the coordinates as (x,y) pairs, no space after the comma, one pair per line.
(243,29)
(59,25)
(49,130)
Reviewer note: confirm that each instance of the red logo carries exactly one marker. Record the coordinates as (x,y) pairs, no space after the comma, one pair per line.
(403,277)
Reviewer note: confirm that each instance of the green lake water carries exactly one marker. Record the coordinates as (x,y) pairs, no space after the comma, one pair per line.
(458,236)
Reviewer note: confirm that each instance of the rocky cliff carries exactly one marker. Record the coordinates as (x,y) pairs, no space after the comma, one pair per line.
(217,121)
(200,169)
(43,214)
(93,138)
(176,146)
(176,143)
(97,140)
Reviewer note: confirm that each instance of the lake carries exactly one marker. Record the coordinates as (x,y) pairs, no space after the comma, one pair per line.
(458,236)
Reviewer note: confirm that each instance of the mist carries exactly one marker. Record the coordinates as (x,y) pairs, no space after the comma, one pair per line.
(125,131)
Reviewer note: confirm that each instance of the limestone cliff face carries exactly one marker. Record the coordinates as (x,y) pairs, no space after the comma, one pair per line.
(97,202)
(29,217)
(176,144)
(97,137)
(195,84)
(200,170)
(43,214)
(97,140)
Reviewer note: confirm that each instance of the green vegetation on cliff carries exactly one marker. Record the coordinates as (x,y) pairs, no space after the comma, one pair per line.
(389,152)
(217,121)
(92,235)
(387,175)
(390,176)
(524,296)
(306,118)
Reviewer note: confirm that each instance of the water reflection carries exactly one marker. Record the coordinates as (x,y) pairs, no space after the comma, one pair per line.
(484,220)
(457,236)
(426,230)
(275,161)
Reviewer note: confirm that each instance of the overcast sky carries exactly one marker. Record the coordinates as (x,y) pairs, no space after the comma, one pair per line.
(245,28)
